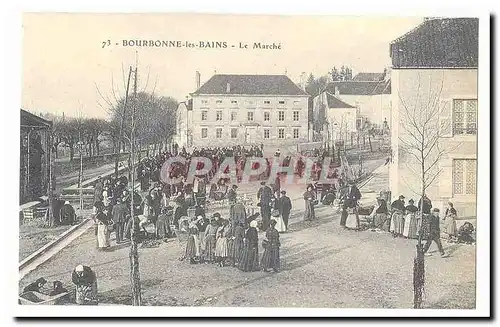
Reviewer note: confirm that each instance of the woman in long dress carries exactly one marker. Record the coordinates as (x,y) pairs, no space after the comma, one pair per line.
(276,216)
(221,250)
(249,260)
(309,198)
(450,217)
(411,221)
(210,240)
(193,244)
(352,220)
(271,256)
(238,236)
(380,215)
(102,222)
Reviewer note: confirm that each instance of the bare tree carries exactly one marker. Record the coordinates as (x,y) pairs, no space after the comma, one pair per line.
(420,142)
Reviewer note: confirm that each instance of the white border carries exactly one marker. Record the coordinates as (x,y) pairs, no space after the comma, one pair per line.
(12,84)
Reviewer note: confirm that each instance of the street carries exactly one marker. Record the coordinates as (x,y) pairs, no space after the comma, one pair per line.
(323,266)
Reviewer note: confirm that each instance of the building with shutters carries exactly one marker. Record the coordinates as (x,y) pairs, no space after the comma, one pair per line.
(436,64)
(249,109)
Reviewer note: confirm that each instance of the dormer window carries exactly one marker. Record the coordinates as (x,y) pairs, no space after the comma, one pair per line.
(218,101)
(234,102)
(281,102)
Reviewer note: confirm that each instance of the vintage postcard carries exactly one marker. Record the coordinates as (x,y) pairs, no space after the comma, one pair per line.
(201,161)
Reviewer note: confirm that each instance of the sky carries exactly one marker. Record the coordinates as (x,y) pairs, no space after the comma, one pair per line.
(65,63)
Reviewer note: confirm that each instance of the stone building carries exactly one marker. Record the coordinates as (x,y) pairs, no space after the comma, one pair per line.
(249,109)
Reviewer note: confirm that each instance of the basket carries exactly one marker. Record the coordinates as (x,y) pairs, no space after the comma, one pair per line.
(36,298)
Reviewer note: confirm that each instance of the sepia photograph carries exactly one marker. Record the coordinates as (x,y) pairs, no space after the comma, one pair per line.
(195,160)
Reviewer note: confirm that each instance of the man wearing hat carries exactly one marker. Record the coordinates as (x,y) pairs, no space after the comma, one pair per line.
(67,215)
(119,216)
(284,207)
(265,196)
(351,198)
(434,233)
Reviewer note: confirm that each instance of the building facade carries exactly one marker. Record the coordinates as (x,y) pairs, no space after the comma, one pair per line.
(436,65)
(249,109)
(184,122)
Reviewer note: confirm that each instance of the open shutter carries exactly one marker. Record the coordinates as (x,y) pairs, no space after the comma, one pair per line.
(445,118)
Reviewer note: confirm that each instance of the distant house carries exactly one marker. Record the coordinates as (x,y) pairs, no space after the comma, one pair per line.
(372,98)
(340,118)
(184,120)
(34,160)
(249,109)
(436,63)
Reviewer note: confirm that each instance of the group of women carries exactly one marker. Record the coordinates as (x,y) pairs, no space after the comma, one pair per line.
(219,241)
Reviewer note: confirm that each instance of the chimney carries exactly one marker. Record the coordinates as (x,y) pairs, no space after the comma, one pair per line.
(228,88)
(337,92)
(198,77)
(387,75)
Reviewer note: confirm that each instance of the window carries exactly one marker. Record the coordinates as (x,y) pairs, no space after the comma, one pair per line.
(295,133)
(250,116)
(218,133)
(204,115)
(218,115)
(281,102)
(464,176)
(464,117)
(281,115)
(281,133)
(234,115)
(296,115)
(204,101)
(267,102)
(266,133)
(218,101)
(234,102)
(296,103)
(234,133)
(204,133)
(267,116)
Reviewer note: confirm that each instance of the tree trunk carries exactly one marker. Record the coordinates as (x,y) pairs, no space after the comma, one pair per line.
(51,186)
(71,151)
(370,142)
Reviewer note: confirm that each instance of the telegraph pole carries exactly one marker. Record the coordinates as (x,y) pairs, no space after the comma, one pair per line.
(134,253)
(117,159)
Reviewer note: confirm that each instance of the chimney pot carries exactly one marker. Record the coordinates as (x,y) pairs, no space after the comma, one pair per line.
(198,77)
(228,88)
(337,92)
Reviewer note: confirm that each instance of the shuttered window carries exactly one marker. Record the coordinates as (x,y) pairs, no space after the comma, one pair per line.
(464,116)
(464,176)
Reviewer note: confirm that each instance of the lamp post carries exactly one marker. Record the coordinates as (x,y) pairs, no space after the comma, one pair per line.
(80,179)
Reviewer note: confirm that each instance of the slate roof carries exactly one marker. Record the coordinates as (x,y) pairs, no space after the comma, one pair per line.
(368,77)
(334,102)
(251,85)
(438,43)
(360,88)
(31,120)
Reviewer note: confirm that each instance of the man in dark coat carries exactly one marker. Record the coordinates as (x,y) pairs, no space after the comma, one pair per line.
(425,204)
(351,199)
(67,214)
(119,214)
(284,207)
(232,195)
(434,233)
(265,196)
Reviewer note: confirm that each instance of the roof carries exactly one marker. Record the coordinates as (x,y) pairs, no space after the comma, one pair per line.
(438,43)
(31,120)
(334,102)
(360,88)
(368,77)
(250,85)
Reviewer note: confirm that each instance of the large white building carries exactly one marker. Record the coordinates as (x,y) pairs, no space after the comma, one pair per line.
(247,109)
(435,64)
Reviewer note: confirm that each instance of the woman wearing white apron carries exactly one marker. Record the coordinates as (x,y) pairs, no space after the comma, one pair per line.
(352,220)
(410,227)
(280,224)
